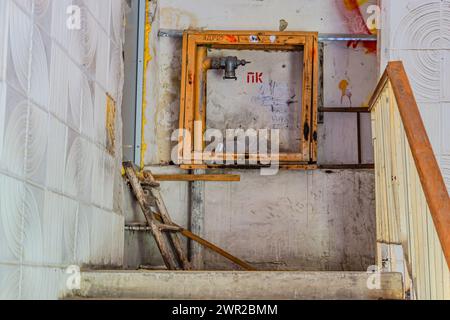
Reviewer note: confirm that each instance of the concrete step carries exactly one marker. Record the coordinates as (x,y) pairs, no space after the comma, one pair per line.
(213,285)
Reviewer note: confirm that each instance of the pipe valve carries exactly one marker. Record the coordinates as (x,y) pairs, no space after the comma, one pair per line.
(229,64)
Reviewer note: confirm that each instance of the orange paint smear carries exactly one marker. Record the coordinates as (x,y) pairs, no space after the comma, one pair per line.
(353,4)
(231,38)
(343,85)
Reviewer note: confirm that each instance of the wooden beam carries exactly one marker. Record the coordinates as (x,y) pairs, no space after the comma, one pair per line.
(344,110)
(202,177)
(282,166)
(359,137)
(298,167)
(217,250)
(193,167)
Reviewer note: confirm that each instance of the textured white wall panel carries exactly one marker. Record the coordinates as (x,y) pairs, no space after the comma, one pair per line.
(19,44)
(418,24)
(418,33)
(85,176)
(33,233)
(40,68)
(36,157)
(14,136)
(445,85)
(3,35)
(11,206)
(9,282)
(83,244)
(56,154)
(445,166)
(445,123)
(432,114)
(2,114)
(59,82)
(42,283)
(55,210)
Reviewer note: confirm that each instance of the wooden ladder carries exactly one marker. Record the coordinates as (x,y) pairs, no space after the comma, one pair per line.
(164,230)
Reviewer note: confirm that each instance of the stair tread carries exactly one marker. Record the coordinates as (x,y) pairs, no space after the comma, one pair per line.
(237,285)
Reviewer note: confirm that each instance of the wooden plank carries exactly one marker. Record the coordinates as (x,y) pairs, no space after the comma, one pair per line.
(199,103)
(298,167)
(379,90)
(182,97)
(282,166)
(393,166)
(343,110)
(375,142)
(358,136)
(189,109)
(193,166)
(305,125)
(282,157)
(202,177)
(218,250)
(315,102)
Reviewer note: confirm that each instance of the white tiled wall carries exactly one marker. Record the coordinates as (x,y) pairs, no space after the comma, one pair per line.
(57,179)
(418,33)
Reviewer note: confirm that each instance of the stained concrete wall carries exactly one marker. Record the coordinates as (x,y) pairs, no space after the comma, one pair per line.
(60,190)
(314,220)
(318,220)
(418,33)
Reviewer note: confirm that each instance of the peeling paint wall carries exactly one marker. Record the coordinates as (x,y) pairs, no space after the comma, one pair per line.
(60,188)
(340,232)
(418,33)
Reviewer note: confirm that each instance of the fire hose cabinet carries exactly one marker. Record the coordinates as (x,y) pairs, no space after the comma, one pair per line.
(198,58)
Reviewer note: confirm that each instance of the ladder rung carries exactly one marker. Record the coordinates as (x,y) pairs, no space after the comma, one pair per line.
(166,227)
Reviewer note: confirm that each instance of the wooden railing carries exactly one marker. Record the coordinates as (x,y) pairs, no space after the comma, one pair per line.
(412,202)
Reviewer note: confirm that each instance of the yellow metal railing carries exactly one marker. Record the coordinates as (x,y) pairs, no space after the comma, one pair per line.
(412,203)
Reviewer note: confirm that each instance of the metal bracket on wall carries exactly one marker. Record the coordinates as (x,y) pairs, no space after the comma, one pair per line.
(324,37)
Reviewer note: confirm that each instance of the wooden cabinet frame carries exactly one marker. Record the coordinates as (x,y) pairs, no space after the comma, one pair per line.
(194,82)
